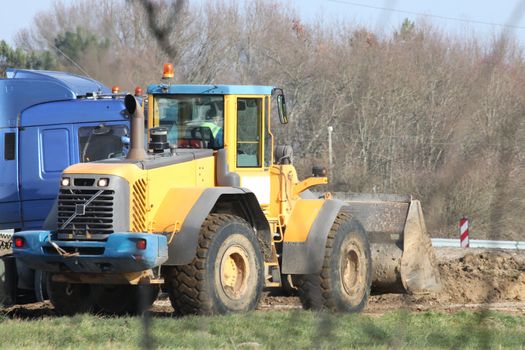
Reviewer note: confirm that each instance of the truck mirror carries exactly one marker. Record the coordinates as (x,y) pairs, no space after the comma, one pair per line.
(319,171)
(281,107)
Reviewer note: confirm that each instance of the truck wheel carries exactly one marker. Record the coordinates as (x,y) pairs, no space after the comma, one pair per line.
(69,299)
(343,284)
(40,281)
(227,273)
(120,299)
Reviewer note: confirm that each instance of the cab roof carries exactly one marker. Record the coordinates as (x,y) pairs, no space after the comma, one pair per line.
(24,88)
(72,84)
(210,89)
(74,111)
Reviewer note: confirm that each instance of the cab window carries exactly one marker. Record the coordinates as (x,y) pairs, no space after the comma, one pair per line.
(192,121)
(102,142)
(249,116)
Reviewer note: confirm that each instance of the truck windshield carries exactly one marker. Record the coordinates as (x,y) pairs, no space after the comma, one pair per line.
(192,121)
(102,142)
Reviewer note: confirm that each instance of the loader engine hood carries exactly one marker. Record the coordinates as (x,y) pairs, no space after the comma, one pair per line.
(127,193)
(152,161)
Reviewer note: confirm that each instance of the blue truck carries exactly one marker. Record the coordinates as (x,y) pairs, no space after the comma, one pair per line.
(48,121)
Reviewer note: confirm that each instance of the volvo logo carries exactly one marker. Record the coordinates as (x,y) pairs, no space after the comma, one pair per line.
(80,209)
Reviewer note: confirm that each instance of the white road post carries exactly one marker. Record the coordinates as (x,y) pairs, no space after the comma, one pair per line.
(330,130)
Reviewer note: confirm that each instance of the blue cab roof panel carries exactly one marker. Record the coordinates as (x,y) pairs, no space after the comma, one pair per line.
(74,111)
(25,88)
(76,84)
(211,89)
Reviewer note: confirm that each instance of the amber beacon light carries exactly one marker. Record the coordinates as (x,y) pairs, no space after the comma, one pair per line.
(168,71)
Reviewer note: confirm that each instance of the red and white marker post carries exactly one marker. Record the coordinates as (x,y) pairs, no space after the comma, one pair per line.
(463,232)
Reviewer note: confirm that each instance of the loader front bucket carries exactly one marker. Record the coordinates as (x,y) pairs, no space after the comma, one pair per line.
(402,256)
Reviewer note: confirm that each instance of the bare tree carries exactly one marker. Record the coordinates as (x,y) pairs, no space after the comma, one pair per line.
(414,111)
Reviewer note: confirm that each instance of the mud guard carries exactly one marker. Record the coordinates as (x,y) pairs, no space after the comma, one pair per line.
(307,257)
(183,248)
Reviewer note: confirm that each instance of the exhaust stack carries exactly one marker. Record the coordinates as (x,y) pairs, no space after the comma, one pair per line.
(136,149)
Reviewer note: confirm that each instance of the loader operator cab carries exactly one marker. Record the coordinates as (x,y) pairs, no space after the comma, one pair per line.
(232,120)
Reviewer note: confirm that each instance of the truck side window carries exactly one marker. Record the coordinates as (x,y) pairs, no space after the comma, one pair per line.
(249,116)
(101,142)
(9,146)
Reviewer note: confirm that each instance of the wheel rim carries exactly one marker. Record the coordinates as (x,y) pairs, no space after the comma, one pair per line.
(353,272)
(234,272)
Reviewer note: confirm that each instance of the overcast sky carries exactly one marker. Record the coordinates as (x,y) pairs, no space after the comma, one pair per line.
(455,16)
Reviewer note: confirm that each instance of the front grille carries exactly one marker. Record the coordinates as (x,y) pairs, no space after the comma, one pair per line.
(94,221)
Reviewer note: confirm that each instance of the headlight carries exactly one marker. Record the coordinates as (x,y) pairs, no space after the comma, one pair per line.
(103,182)
(65,181)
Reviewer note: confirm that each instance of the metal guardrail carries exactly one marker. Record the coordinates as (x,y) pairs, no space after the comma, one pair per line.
(478,243)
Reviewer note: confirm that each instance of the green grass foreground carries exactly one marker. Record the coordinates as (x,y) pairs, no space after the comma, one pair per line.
(274,330)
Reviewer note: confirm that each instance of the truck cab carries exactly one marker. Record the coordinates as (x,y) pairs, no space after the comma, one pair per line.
(48,121)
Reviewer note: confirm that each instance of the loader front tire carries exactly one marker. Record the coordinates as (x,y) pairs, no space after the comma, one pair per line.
(68,298)
(343,284)
(226,274)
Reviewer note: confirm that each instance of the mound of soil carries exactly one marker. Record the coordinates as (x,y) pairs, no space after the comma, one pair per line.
(472,279)
(484,277)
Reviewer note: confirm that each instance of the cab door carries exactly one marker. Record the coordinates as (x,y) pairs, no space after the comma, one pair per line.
(9,194)
(249,146)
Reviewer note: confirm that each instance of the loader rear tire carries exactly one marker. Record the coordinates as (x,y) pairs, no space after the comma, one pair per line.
(69,299)
(343,284)
(121,299)
(226,274)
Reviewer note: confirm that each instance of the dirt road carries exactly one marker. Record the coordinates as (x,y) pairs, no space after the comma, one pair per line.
(473,279)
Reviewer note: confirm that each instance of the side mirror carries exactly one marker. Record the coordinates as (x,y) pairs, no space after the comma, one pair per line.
(281,106)
(319,171)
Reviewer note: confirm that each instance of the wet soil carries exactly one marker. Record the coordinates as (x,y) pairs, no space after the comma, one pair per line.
(473,279)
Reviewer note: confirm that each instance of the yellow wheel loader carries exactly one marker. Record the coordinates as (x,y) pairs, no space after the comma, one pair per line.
(213,212)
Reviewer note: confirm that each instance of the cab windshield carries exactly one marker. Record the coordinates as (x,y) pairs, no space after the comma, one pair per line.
(192,121)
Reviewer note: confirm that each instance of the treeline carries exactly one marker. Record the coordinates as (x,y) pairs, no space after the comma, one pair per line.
(413,111)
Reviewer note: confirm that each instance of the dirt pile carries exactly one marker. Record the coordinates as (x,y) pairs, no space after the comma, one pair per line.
(484,277)
(472,279)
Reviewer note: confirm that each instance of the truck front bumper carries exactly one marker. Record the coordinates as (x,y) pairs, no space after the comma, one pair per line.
(118,254)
